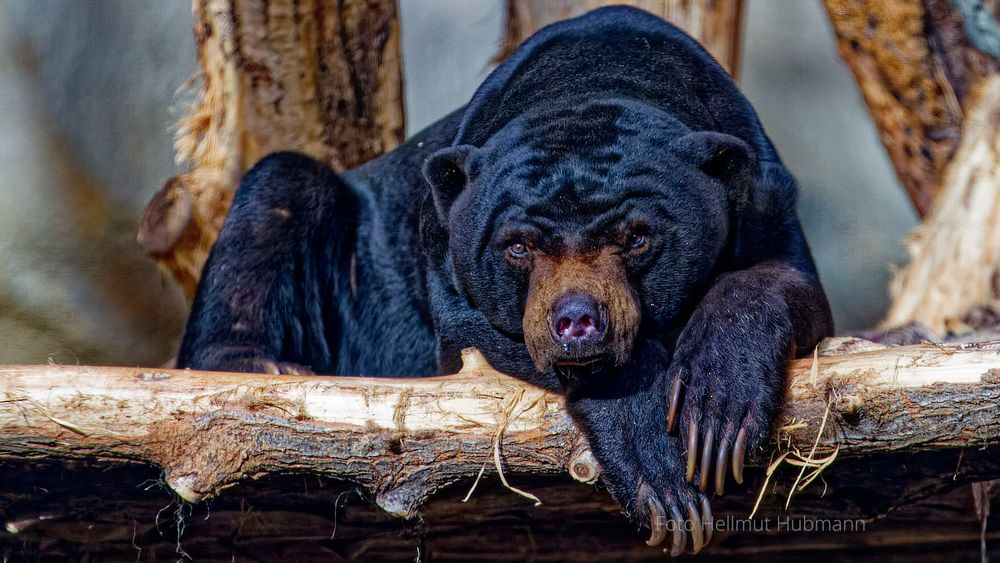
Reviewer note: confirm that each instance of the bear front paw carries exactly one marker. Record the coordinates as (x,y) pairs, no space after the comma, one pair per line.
(280,368)
(643,465)
(243,360)
(725,399)
(679,513)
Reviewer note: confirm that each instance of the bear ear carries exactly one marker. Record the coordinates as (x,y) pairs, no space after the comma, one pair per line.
(724,157)
(447,171)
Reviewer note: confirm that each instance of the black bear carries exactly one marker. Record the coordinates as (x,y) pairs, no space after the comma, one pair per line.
(606,218)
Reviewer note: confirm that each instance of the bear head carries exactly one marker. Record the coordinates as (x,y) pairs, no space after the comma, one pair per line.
(585,227)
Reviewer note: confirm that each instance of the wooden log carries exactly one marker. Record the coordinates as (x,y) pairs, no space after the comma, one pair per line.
(316,76)
(404,439)
(955,254)
(917,70)
(716,25)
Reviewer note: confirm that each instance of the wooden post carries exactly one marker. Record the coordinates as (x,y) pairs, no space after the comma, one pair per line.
(716,25)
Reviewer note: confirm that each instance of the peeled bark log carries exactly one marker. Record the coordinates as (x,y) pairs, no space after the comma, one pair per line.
(323,78)
(404,439)
(716,25)
(955,254)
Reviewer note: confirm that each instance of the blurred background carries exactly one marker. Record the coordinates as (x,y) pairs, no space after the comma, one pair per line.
(90,92)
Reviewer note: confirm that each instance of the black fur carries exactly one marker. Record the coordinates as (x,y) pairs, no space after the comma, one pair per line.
(610,119)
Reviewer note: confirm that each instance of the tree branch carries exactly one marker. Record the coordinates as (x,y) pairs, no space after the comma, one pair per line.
(955,254)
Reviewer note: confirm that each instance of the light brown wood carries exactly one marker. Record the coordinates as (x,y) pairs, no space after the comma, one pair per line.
(716,25)
(316,76)
(955,254)
(929,72)
(917,71)
(404,439)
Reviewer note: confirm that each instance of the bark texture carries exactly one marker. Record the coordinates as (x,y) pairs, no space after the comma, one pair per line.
(716,25)
(929,71)
(77,512)
(316,76)
(403,440)
(918,71)
(955,254)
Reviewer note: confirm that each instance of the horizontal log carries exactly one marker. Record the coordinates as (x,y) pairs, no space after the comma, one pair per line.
(404,439)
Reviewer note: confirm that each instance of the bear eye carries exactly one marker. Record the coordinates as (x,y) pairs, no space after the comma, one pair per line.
(635,241)
(518,250)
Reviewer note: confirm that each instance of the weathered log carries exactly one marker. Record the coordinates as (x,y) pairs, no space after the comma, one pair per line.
(404,439)
(917,70)
(716,25)
(323,78)
(955,254)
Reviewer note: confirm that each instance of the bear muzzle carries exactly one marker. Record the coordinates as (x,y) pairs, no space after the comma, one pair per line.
(579,311)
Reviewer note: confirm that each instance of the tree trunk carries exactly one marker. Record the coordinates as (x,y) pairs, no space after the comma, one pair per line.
(955,254)
(716,25)
(315,76)
(918,68)
(404,439)
(929,71)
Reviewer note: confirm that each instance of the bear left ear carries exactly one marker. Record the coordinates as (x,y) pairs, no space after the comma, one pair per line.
(721,156)
(447,171)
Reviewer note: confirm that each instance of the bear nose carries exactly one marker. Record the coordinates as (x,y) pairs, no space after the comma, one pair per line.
(577,319)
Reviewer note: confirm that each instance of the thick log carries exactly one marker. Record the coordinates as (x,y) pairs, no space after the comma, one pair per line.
(404,439)
(955,254)
(917,69)
(716,25)
(316,76)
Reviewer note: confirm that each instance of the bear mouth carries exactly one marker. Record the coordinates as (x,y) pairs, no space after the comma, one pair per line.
(578,362)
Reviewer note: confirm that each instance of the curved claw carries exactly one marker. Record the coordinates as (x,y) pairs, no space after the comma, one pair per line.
(739,455)
(721,465)
(706,458)
(657,522)
(680,538)
(692,451)
(707,518)
(697,529)
(674,404)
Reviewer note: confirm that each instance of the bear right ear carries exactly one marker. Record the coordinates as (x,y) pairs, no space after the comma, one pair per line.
(723,157)
(447,171)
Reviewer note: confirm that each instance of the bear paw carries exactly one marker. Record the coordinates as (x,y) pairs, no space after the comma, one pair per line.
(680,514)
(725,396)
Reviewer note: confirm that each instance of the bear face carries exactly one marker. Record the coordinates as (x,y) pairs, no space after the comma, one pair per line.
(580,227)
